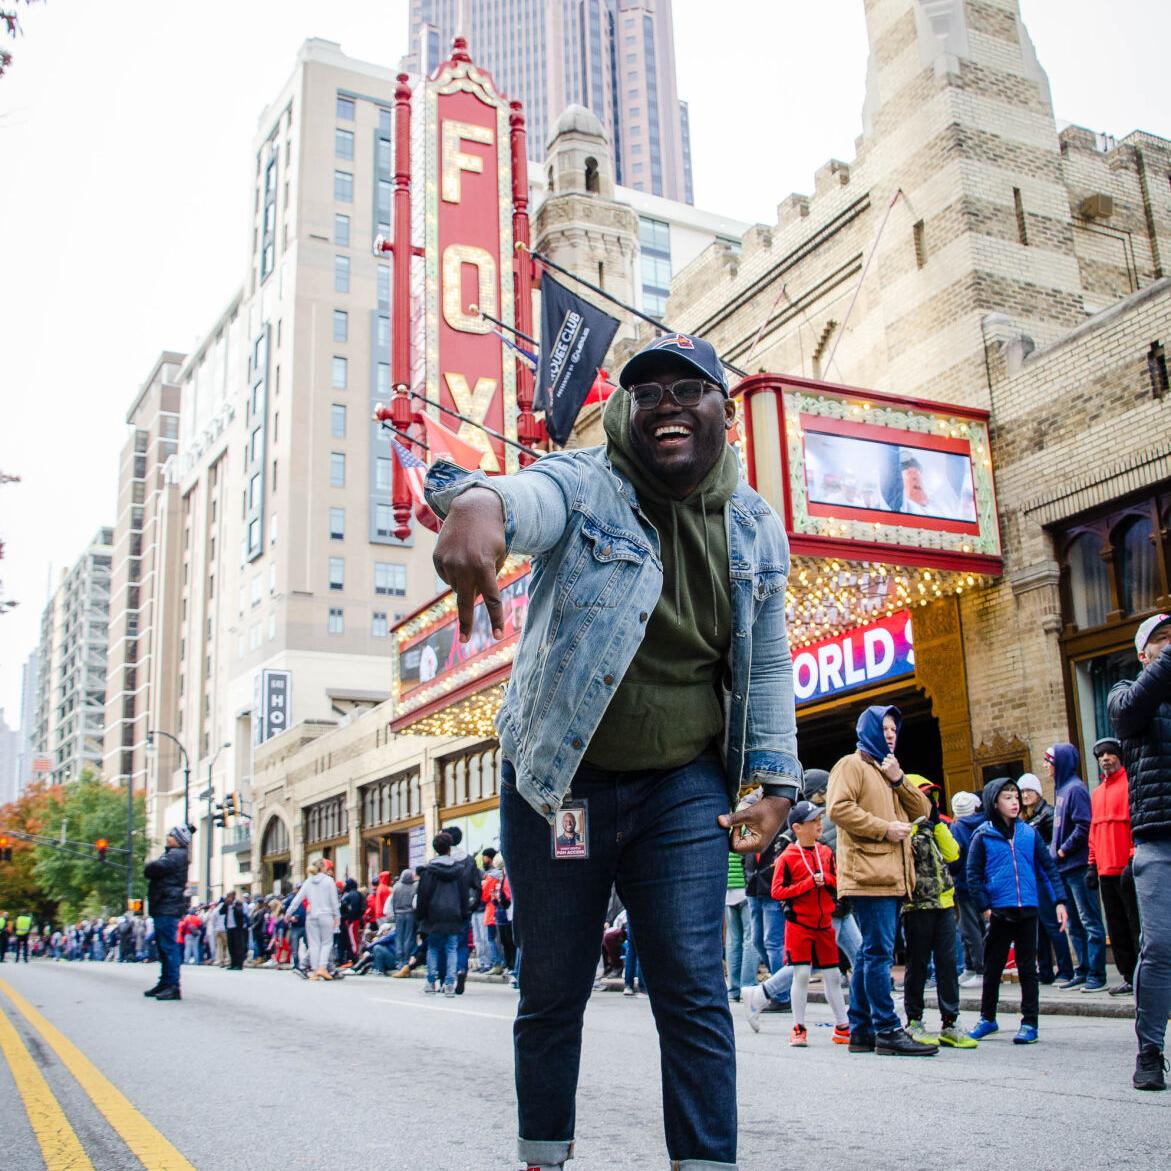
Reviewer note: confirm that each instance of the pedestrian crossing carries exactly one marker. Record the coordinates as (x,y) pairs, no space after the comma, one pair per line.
(61,1148)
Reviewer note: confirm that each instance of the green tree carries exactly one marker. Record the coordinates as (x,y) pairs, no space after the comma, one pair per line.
(81,884)
(19,888)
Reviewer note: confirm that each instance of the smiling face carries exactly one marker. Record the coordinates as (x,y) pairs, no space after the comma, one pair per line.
(680,445)
(568,825)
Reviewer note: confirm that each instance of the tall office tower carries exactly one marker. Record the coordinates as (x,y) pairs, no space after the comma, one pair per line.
(289,574)
(140,675)
(9,760)
(71,695)
(615,57)
(28,720)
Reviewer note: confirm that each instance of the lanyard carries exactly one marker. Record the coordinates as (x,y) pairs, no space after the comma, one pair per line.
(817,855)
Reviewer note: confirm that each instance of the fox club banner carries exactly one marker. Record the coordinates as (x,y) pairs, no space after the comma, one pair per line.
(575,337)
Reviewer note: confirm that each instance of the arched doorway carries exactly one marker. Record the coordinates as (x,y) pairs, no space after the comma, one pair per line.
(275,855)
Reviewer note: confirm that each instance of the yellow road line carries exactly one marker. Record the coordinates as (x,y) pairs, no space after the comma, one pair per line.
(153,1150)
(60,1147)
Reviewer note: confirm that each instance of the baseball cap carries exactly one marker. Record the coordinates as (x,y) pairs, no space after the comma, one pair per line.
(1031,783)
(1108,744)
(700,355)
(803,811)
(1147,627)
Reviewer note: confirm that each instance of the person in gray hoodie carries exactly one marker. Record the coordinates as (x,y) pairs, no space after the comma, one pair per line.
(319,894)
(402,905)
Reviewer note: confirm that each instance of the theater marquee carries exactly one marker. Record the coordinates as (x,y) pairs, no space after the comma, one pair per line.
(468,212)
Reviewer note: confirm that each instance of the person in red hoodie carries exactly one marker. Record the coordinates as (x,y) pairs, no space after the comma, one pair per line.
(1111,852)
(805,880)
(376,903)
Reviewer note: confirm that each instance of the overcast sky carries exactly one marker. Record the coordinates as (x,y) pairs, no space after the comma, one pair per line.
(125,166)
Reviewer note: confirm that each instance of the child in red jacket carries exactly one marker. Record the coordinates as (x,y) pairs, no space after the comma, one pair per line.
(806,881)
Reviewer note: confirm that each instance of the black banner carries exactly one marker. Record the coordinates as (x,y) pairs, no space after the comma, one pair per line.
(575,337)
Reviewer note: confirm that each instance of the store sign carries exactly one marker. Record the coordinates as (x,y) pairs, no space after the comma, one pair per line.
(272,696)
(468,250)
(859,658)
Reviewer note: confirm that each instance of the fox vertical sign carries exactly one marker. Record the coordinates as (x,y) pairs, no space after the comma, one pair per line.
(469,255)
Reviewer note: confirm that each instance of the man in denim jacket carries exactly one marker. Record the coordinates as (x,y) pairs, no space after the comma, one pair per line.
(653,681)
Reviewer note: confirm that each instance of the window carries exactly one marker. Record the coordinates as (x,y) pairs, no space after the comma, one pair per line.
(343,186)
(383,156)
(383,334)
(379,627)
(382,474)
(337,470)
(341,274)
(337,524)
(345,108)
(337,573)
(337,373)
(383,207)
(341,325)
(390,580)
(337,622)
(343,144)
(1138,566)
(385,122)
(337,421)
(654,234)
(1089,581)
(272,626)
(383,285)
(272,531)
(383,378)
(255,587)
(341,230)
(384,522)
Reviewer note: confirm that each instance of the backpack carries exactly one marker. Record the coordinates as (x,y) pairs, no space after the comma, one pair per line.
(932,876)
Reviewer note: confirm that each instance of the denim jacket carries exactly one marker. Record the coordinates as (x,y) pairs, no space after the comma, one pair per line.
(596,577)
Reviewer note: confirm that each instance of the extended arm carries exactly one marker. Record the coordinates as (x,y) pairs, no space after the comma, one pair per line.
(1132,706)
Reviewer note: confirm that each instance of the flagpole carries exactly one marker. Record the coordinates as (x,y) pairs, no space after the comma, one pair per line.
(483,427)
(504,325)
(621,304)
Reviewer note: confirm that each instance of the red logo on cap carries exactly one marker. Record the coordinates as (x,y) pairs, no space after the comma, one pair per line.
(680,340)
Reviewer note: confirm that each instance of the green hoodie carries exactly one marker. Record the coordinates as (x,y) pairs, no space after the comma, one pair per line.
(667,708)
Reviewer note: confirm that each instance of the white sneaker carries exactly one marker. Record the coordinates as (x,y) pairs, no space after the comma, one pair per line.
(755,1001)
(971,980)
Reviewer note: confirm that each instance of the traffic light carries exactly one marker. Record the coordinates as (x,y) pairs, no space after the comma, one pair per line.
(5,850)
(100,845)
(232,804)
(220,817)
(134,906)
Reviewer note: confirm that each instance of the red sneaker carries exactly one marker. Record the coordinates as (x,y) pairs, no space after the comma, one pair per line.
(799,1038)
(841,1034)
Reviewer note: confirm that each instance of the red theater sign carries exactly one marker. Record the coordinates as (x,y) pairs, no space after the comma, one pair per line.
(468,247)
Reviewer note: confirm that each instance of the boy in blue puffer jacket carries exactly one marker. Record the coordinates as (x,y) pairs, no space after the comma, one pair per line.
(1007,861)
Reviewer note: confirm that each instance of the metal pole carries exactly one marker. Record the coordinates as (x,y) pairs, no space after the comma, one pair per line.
(207,858)
(186,790)
(129,840)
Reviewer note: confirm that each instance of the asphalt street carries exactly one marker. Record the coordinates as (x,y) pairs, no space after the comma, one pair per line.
(258,1069)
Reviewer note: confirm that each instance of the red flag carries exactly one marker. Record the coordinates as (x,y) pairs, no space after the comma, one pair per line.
(443,441)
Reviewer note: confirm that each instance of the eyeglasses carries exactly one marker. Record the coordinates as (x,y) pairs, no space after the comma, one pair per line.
(685,393)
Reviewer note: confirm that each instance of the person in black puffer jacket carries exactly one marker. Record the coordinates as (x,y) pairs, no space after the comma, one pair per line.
(1141,715)
(167,902)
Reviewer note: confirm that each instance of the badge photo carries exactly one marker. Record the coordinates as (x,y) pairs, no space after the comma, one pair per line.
(570,831)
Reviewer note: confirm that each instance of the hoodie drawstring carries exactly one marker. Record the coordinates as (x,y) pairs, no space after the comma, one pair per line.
(707,558)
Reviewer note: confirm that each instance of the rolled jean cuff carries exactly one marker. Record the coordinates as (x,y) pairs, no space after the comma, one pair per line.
(542,1153)
(701,1165)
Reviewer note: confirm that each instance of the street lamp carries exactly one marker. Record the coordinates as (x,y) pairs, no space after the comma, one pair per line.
(210,794)
(152,751)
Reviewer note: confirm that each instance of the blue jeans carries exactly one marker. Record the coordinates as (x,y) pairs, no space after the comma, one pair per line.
(1052,942)
(768,931)
(1152,976)
(742,960)
(382,956)
(191,949)
(404,936)
(872,1008)
(296,938)
(631,968)
(1086,927)
(447,944)
(167,934)
(654,835)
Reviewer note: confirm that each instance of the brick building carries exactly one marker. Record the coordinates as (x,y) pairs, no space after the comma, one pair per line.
(1010,266)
